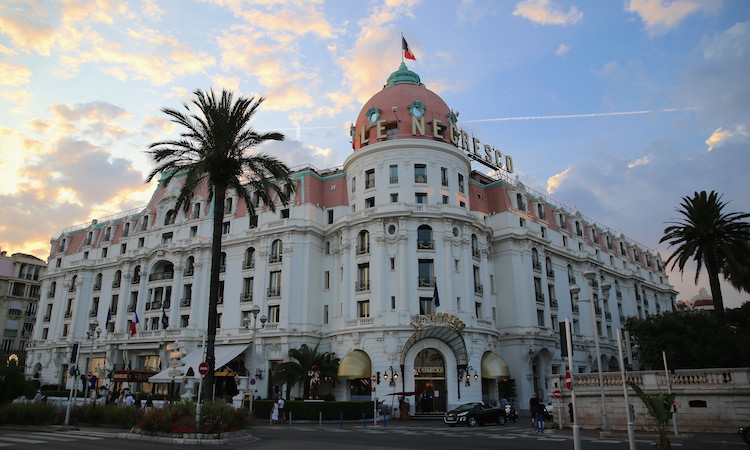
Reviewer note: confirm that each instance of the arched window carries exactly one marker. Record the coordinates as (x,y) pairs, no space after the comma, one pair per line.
(136,275)
(424,237)
(117,280)
(475,246)
(277,251)
(189,266)
(169,217)
(73,283)
(548,268)
(98,282)
(249,262)
(52,289)
(571,277)
(223,262)
(363,242)
(535,259)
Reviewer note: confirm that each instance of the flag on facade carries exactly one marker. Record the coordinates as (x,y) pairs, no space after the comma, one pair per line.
(435,299)
(164,318)
(133,323)
(407,53)
(109,319)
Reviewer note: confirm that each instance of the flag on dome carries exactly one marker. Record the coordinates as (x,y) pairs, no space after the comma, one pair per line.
(407,53)
(133,323)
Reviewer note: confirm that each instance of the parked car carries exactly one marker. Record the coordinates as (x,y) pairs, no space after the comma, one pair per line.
(473,414)
(745,432)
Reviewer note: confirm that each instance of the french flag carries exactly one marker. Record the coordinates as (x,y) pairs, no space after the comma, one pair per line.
(407,53)
(133,323)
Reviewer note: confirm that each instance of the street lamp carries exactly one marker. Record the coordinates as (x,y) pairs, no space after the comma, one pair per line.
(590,277)
(254,311)
(93,333)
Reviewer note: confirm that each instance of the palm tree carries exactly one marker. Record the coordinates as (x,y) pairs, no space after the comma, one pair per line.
(304,358)
(214,152)
(710,237)
(737,273)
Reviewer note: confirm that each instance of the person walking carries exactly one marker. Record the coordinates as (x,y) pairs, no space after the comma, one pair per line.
(282,411)
(275,413)
(537,413)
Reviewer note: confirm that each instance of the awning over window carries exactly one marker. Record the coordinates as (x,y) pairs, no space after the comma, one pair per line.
(355,365)
(494,366)
(223,353)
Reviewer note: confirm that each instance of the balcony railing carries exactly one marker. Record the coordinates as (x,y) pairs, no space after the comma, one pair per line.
(156,304)
(131,308)
(576,309)
(618,295)
(246,297)
(161,276)
(68,314)
(92,313)
(98,287)
(273,292)
(426,244)
(571,280)
(478,289)
(72,288)
(608,315)
(597,310)
(394,180)
(115,284)
(185,302)
(113,310)
(539,297)
(369,184)
(50,294)
(426,282)
(136,279)
(553,303)
(222,268)
(10,332)
(362,249)
(272,259)
(475,253)
(47,317)
(536,265)
(360,286)
(248,264)
(188,272)
(551,274)
(420,178)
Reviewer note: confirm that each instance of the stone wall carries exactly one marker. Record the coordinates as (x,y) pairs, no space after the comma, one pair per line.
(708,400)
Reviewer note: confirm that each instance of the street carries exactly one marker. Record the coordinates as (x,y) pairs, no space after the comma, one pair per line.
(397,435)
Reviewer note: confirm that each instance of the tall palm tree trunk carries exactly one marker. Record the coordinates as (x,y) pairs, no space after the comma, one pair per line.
(213,290)
(712,267)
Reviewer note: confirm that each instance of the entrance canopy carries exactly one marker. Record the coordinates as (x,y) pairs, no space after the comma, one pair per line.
(449,335)
(223,354)
(355,365)
(494,366)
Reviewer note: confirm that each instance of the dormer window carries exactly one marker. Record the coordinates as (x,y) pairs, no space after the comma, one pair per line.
(373,115)
(417,109)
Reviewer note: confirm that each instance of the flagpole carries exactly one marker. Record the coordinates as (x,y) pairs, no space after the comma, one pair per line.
(402,50)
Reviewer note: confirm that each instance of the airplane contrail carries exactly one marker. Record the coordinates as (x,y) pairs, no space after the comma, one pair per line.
(576,116)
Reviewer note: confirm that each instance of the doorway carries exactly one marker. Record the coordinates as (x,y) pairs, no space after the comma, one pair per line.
(429,381)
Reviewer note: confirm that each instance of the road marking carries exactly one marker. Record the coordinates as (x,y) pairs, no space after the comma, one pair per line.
(6,445)
(21,441)
(52,436)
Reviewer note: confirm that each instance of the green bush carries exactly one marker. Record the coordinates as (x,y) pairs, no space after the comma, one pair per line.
(216,417)
(30,414)
(301,410)
(99,415)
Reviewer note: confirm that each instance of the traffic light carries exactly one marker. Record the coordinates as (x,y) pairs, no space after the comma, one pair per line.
(73,371)
(378,379)
(175,354)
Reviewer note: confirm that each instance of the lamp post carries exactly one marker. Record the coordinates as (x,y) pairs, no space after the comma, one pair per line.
(254,311)
(93,333)
(590,277)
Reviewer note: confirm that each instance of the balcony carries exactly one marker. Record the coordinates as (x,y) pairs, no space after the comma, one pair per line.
(72,288)
(156,304)
(576,309)
(136,279)
(426,244)
(131,308)
(248,264)
(47,317)
(475,253)
(274,259)
(246,297)
(362,249)
(92,313)
(537,266)
(597,310)
(539,297)
(185,302)
(571,280)
(273,292)
(551,274)
(553,303)
(68,314)
(608,315)
(420,178)
(393,180)
(50,294)
(360,286)
(115,284)
(161,276)
(10,332)
(97,287)
(426,282)
(478,289)
(188,272)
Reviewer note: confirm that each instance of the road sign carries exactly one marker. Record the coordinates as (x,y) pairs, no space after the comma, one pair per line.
(89,375)
(557,393)
(174,373)
(568,380)
(252,381)
(203,368)
(374,377)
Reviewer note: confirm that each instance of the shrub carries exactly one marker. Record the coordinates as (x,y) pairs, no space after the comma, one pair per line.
(98,415)
(218,416)
(30,414)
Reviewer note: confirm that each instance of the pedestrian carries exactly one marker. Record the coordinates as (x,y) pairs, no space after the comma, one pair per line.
(282,411)
(537,413)
(137,401)
(149,401)
(38,397)
(275,413)
(129,400)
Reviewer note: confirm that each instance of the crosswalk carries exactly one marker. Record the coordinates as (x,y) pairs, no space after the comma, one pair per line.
(10,439)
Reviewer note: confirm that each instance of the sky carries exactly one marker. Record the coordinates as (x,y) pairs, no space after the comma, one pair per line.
(617,108)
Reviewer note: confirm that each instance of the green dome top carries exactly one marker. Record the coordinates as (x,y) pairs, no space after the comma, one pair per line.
(403,76)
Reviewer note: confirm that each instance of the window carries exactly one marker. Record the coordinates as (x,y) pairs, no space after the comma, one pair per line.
(363,242)
(394,174)
(325,314)
(478,310)
(478,288)
(225,227)
(144,223)
(228,203)
(565,241)
(540,211)
(274,284)
(354,184)
(460,183)
(277,252)
(544,232)
(363,308)
(123,248)
(393,302)
(540,317)
(561,219)
(126,229)
(462,204)
(85,255)
(393,263)
(166,238)
(247,289)
(579,231)
(327,279)
(184,321)
(424,238)
(426,273)
(394,198)
(169,217)
(141,242)
(425,306)
(420,197)
(535,264)
(548,267)
(330,216)
(538,294)
(445,199)
(594,236)
(521,222)
(475,247)
(420,173)
(89,236)
(363,277)
(285,213)
(196,210)
(274,312)
(249,261)
(328,247)
(369,178)
(520,202)
(58,263)
(444,176)
(108,234)
(104,252)
(370,202)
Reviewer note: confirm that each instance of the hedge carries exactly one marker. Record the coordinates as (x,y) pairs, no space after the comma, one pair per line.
(301,410)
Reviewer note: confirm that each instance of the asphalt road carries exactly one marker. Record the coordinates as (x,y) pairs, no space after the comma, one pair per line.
(431,435)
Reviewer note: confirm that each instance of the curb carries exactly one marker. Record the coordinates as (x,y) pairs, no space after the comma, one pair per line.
(189,440)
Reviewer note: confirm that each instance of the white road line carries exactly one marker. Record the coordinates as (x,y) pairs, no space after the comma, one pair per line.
(21,441)
(6,445)
(53,436)
(80,435)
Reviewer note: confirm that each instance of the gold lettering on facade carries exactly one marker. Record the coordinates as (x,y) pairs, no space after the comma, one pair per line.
(465,141)
(437,320)
(363,136)
(436,129)
(488,153)
(381,129)
(508,164)
(417,124)
(475,146)
(454,134)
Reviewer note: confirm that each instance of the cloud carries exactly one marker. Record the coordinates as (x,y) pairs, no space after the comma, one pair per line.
(562,50)
(297,17)
(473,11)
(722,136)
(544,13)
(294,153)
(27,35)
(88,112)
(14,74)
(660,16)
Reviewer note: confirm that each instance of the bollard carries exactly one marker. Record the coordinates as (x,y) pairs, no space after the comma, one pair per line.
(385,419)
(320,418)
(341,419)
(290,417)
(364,421)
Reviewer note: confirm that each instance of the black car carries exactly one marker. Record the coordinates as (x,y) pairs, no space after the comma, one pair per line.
(745,432)
(473,414)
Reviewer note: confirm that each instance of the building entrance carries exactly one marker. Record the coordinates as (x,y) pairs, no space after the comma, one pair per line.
(429,381)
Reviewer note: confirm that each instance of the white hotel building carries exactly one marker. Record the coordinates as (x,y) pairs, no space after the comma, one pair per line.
(351,265)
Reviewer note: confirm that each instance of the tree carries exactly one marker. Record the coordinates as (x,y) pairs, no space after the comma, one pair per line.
(659,407)
(710,237)
(216,151)
(737,273)
(304,358)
